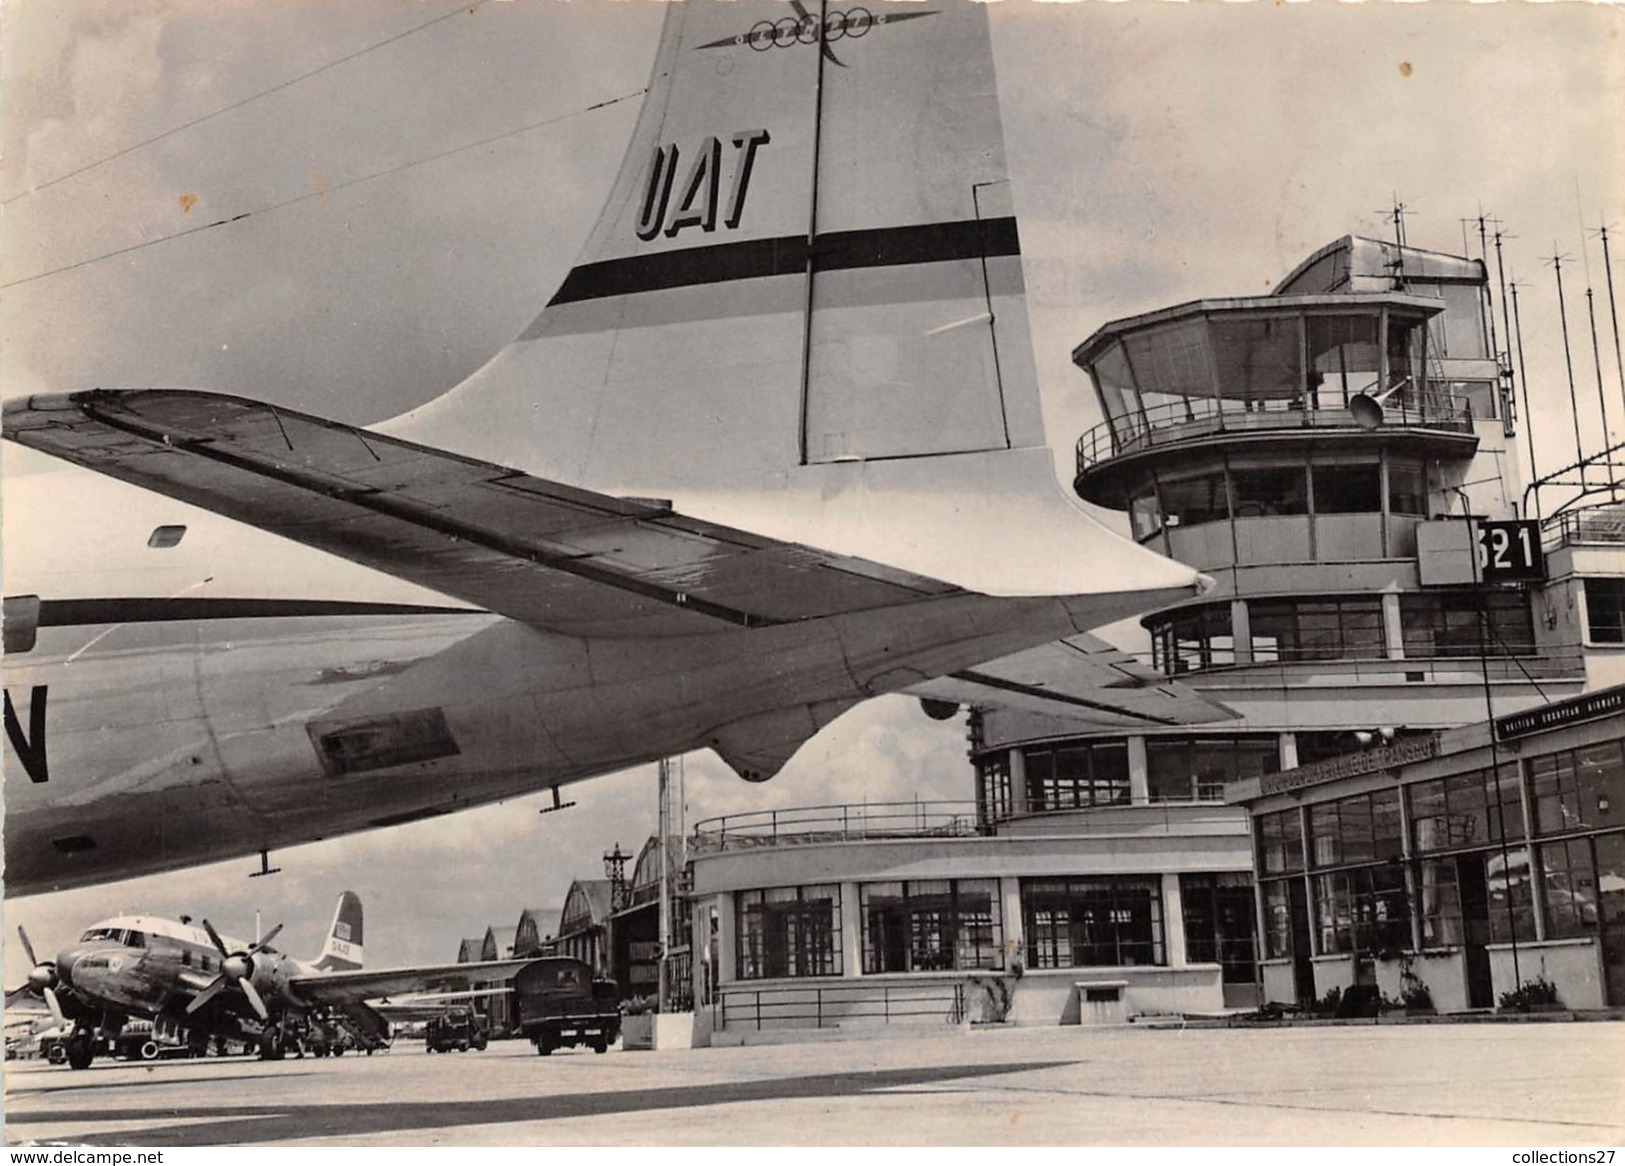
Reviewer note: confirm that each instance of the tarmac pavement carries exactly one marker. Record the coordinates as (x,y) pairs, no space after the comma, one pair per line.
(1526,1085)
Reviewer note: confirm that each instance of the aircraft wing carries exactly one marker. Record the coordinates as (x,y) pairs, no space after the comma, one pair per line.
(541,552)
(346,989)
(1082,677)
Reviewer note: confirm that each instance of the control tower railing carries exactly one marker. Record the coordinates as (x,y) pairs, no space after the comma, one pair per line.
(1194,418)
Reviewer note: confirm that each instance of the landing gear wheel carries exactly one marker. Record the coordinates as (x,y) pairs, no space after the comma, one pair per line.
(81,1051)
(272,1047)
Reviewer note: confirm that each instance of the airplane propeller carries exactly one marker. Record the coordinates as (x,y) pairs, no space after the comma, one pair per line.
(42,978)
(237,970)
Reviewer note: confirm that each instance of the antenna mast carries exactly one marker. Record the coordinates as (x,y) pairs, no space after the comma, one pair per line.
(1568,355)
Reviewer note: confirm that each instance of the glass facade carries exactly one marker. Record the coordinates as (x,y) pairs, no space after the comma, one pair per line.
(1317,629)
(1193,638)
(1093,922)
(933,925)
(1446,624)
(1605,611)
(789,931)
(1218,919)
(1463,877)
(993,802)
(1077,774)
(1183,769)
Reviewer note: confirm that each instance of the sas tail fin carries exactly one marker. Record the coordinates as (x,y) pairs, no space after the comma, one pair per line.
(342,950)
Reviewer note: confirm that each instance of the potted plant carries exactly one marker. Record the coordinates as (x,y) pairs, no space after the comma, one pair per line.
(1537,995)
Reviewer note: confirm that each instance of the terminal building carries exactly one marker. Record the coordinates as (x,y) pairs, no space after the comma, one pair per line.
(1099,871)
(1318,452)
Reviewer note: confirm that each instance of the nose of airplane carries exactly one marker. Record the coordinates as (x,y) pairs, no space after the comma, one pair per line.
(64,964)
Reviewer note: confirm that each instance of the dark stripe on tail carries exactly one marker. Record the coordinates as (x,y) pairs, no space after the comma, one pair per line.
(787,255)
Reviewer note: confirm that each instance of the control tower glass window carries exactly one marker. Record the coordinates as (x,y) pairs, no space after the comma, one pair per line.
(1192,639)
(1407,489)
(1171,372)
(1348,489)
(1445,624)
(1457,333)
(1319,629)
(1145,512)
(1115,384)
(1344,359)
(1259,361)
(1270,493)
(1192,501)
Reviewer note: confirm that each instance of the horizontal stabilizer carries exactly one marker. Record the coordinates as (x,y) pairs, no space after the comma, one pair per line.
(1080,677)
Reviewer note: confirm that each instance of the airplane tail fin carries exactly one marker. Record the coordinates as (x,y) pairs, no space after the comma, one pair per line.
(341,952)
(802,308)
(809,255)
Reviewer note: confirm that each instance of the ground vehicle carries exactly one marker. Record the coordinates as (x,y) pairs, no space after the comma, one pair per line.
(559,1003)
(459,1028)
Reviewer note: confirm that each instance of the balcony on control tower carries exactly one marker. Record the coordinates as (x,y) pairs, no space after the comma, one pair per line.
(1254,373)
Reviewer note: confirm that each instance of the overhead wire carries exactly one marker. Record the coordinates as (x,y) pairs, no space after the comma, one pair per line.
(461,9)
(324,191)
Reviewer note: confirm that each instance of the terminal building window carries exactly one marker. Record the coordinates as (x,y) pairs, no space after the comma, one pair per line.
(1093,922)
(1218,910)
(1605,611)
(1439,906)
(1277,918)
(1578,789)
(1361,829)
(1077,775)
(1192,639)
(789,931)
(1363,909)
(932,925)
(1183,769)
(1465,810)
(1568,875)
(993,787)
(1318,629)
(1280,843)
(1512,903)
(1446,625)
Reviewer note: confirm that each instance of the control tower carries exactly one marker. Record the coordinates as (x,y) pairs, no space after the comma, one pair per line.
(1306,449)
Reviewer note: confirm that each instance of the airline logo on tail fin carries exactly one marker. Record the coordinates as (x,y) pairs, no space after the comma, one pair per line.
(342,951)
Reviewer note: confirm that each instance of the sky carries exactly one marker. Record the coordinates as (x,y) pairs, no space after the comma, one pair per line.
(419,175)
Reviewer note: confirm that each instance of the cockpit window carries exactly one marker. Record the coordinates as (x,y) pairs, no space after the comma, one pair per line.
(115,935)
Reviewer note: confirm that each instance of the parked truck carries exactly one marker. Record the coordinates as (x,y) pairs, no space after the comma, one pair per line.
(560,1004)
(458,1029)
